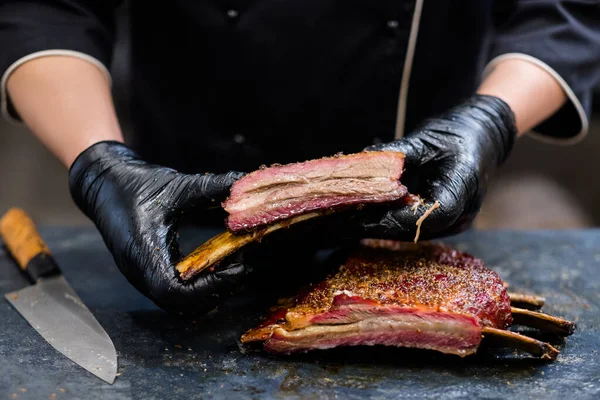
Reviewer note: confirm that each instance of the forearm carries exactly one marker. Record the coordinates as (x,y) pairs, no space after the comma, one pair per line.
(532,93)
(67,104)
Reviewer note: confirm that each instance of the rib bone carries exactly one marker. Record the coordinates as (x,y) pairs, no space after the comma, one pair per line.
(542,321)
(526,301)
(515,340)
(225,243)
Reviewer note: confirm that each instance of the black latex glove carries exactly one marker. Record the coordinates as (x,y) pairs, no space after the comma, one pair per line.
(136,207)
(450,159)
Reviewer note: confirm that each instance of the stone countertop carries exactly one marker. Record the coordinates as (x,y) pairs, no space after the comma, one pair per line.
(162,356)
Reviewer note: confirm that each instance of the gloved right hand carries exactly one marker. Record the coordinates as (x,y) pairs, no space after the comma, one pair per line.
(136,206)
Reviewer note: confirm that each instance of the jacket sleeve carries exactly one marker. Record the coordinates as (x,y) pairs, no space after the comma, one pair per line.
(36,28)
(562,37)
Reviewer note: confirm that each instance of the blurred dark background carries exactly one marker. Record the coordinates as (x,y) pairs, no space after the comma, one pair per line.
(541,186)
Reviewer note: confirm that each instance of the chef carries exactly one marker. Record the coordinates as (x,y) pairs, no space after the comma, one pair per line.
(220,87)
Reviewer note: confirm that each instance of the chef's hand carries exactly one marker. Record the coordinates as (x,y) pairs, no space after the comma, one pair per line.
(136,207)
(450,159)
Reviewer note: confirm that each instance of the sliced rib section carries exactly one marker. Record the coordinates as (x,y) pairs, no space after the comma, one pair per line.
(283,191)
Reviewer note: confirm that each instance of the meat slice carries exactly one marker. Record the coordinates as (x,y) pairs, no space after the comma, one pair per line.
(283,191)
(397,294)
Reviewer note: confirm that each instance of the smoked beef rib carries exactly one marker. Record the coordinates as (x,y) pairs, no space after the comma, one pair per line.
(390,293)
(279,192)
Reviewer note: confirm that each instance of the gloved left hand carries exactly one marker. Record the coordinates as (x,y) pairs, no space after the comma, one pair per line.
(449,158)
(136,207)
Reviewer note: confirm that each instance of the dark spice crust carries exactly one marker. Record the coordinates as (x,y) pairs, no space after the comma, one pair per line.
(427,274)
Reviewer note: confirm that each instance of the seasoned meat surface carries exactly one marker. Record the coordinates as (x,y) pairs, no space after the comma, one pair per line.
(282,191)
(392,293)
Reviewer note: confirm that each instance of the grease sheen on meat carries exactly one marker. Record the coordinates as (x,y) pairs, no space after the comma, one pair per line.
(283,191)
(396,294)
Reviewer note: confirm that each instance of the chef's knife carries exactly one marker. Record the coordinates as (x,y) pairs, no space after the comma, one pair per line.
(50,305)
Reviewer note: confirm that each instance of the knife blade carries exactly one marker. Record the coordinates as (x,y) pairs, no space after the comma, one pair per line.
(50,305)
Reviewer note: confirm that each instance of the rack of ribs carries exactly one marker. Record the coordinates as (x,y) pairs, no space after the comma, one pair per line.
(424,296)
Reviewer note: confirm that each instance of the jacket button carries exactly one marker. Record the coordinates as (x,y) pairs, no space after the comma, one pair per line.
(232,14)
(239,139)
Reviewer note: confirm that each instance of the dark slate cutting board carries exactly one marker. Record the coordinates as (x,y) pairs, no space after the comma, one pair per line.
(163,357)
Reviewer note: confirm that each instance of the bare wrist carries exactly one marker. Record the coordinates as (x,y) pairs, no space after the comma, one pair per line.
(66,102)
(532,93)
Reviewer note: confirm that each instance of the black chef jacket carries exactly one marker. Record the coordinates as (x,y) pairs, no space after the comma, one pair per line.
(230,85)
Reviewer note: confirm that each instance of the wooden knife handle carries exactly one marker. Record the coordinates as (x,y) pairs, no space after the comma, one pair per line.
(25,244)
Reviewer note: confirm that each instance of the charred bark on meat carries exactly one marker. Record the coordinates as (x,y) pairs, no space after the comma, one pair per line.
(400,294)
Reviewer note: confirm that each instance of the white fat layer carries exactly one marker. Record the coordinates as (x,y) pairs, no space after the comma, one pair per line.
(346,292)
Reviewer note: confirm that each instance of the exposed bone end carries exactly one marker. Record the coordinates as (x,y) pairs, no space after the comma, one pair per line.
(542,321)
(526,301)
(211,252)
(226,243)
(515,340)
